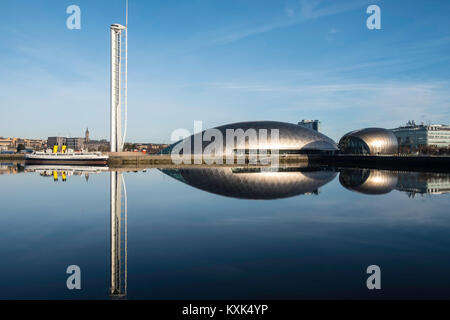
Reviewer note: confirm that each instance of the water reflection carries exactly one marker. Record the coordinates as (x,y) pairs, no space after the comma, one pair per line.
(65,171)
(11,167)
(255,183)
(118,216)
(245,183)
(368,181)
(118,221)
(266,182)
(372,181)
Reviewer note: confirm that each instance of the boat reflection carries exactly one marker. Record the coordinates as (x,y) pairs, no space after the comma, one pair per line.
(254,183)
(65,171)
(373,181)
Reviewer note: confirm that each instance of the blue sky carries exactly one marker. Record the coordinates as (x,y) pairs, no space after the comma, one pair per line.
(222,62)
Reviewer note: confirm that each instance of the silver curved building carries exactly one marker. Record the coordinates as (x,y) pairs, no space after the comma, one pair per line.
(292,138)
(368,181)
(369,141)
(254,183)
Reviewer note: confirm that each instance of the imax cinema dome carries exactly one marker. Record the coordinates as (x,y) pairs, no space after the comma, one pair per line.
(369,141)
(292,138)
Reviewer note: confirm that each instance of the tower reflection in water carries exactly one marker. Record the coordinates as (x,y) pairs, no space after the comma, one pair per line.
(118,235)
(118,216)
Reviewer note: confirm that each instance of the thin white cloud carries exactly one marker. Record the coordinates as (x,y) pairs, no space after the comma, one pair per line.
(330,88)
(251,32)
(308,10)
(289,12)
(313,9)
(386,104)
(332,31)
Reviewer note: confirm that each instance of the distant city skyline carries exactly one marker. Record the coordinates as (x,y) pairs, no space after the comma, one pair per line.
(223,62)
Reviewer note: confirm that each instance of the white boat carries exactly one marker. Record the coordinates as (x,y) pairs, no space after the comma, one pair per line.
(47,169)
(66,158)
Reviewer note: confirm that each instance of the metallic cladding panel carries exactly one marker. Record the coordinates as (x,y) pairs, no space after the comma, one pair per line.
(378,140)
(291,136)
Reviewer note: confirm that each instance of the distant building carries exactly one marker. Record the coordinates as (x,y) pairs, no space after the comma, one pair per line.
(75,143)
(13,143)
(414,136)
(98,145)
(71,143)
(156,147)
(5,143)
(310,124)
(33,144)
(51,141)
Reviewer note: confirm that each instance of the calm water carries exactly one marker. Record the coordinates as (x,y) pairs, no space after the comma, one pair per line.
(226,233)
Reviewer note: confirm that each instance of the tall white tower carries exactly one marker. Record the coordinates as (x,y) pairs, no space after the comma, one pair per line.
(119,79)
(118,84)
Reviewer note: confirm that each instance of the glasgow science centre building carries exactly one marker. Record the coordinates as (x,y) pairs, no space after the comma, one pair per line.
(295,139)
(369,141)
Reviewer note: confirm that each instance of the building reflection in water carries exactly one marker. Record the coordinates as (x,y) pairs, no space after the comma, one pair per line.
(423,183)
(11,167)
(243,183)
(368,181)
(373,181)
(254,183)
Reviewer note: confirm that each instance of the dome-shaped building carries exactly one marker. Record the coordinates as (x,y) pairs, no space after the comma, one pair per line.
(290,138)
(369,141)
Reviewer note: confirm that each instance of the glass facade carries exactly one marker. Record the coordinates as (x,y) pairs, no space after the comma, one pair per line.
(353,145)
(423,135)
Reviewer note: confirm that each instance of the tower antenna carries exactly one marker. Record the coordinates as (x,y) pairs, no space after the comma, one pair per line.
(126,76)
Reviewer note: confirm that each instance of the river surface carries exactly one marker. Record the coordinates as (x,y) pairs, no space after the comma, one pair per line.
(223,233)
